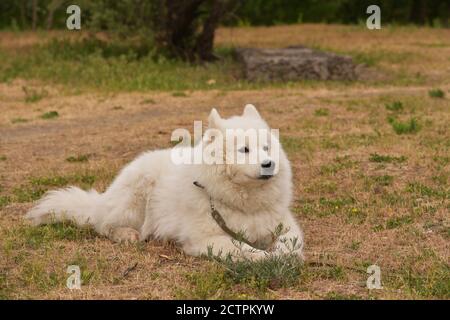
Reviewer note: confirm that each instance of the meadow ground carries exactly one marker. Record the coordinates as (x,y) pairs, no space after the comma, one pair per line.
(371,163)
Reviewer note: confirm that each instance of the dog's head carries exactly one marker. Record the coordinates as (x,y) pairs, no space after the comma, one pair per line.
(250,150)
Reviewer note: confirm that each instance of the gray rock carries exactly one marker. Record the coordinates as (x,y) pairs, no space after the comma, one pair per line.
(294,63)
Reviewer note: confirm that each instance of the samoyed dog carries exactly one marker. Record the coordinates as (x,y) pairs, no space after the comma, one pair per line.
(230,208)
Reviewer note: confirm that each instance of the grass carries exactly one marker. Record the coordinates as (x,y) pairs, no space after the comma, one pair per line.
(32,237)
(37,186)
(61,61)
(19,120)
(33,95)
(436,93)
(273,272)
(397,222)
(49,115)
(410,126)
(322,112)
(395,106)
(79,158)
(363,194)
(374,157)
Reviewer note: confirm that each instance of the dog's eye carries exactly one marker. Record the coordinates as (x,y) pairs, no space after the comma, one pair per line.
(244,150)
(266,148)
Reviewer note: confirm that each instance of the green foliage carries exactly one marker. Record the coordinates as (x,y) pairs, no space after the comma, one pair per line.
(274,271)
(322,112)
(396,222)
(395,106)
(134,17)
(375,157)
(49,115)
(436,93)
(262,12)
(405,127)
(79,158)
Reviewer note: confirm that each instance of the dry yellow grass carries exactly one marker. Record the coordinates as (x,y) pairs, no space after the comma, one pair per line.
(356,207)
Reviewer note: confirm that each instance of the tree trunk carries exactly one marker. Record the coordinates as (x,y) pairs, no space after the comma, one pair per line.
(23,16)
(34,17)
(205,41)
(418,12)
(52,7)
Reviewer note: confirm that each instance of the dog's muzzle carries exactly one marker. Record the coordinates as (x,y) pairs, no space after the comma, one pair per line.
(267,169)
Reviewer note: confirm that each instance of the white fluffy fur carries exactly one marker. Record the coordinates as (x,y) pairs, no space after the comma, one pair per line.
(154,198)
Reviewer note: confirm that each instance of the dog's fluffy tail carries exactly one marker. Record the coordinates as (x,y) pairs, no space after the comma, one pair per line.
(70,204)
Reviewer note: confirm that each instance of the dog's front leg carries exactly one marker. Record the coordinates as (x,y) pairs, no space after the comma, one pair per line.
(223,246)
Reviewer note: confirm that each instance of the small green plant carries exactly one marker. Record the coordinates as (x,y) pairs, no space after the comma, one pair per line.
(375,157)
(4,201)
(3,158)
(276,270)
(385,180)
(32,95)
(179,94)
(148,101)
(395,106)
(339,296)
(49,115)
(322,112)
(396,222)
(405,127)
(19,120)
(436,93)
(80,158)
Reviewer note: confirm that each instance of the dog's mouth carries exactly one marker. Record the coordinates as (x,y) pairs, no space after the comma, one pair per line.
(265,177)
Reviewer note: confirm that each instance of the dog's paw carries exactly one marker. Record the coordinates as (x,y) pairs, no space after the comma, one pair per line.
(123,234)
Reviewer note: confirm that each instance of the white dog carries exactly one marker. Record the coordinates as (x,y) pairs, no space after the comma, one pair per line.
(202,207)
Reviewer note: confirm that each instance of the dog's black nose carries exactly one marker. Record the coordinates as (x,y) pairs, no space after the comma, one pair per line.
(267,163)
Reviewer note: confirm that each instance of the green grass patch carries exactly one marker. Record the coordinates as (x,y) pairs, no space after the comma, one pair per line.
(405,127)
(4,201)
(432,282)
(50,115)
(19,120)
(395,106)
(322,112)
(37,186)
(179,94)
(384,180)
(422,190)
(340,296)
(36,276)
(274,271)
(148,101)
(375,157)
(339,163)
(3,158)
(36,237)
(324,207)
(396,222)
(436,93)
(212,284)
(79,158)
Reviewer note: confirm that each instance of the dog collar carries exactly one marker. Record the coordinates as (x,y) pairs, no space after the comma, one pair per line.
(223,225)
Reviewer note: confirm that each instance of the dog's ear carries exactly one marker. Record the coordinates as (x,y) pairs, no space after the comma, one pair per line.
(214,119)
(251,112)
